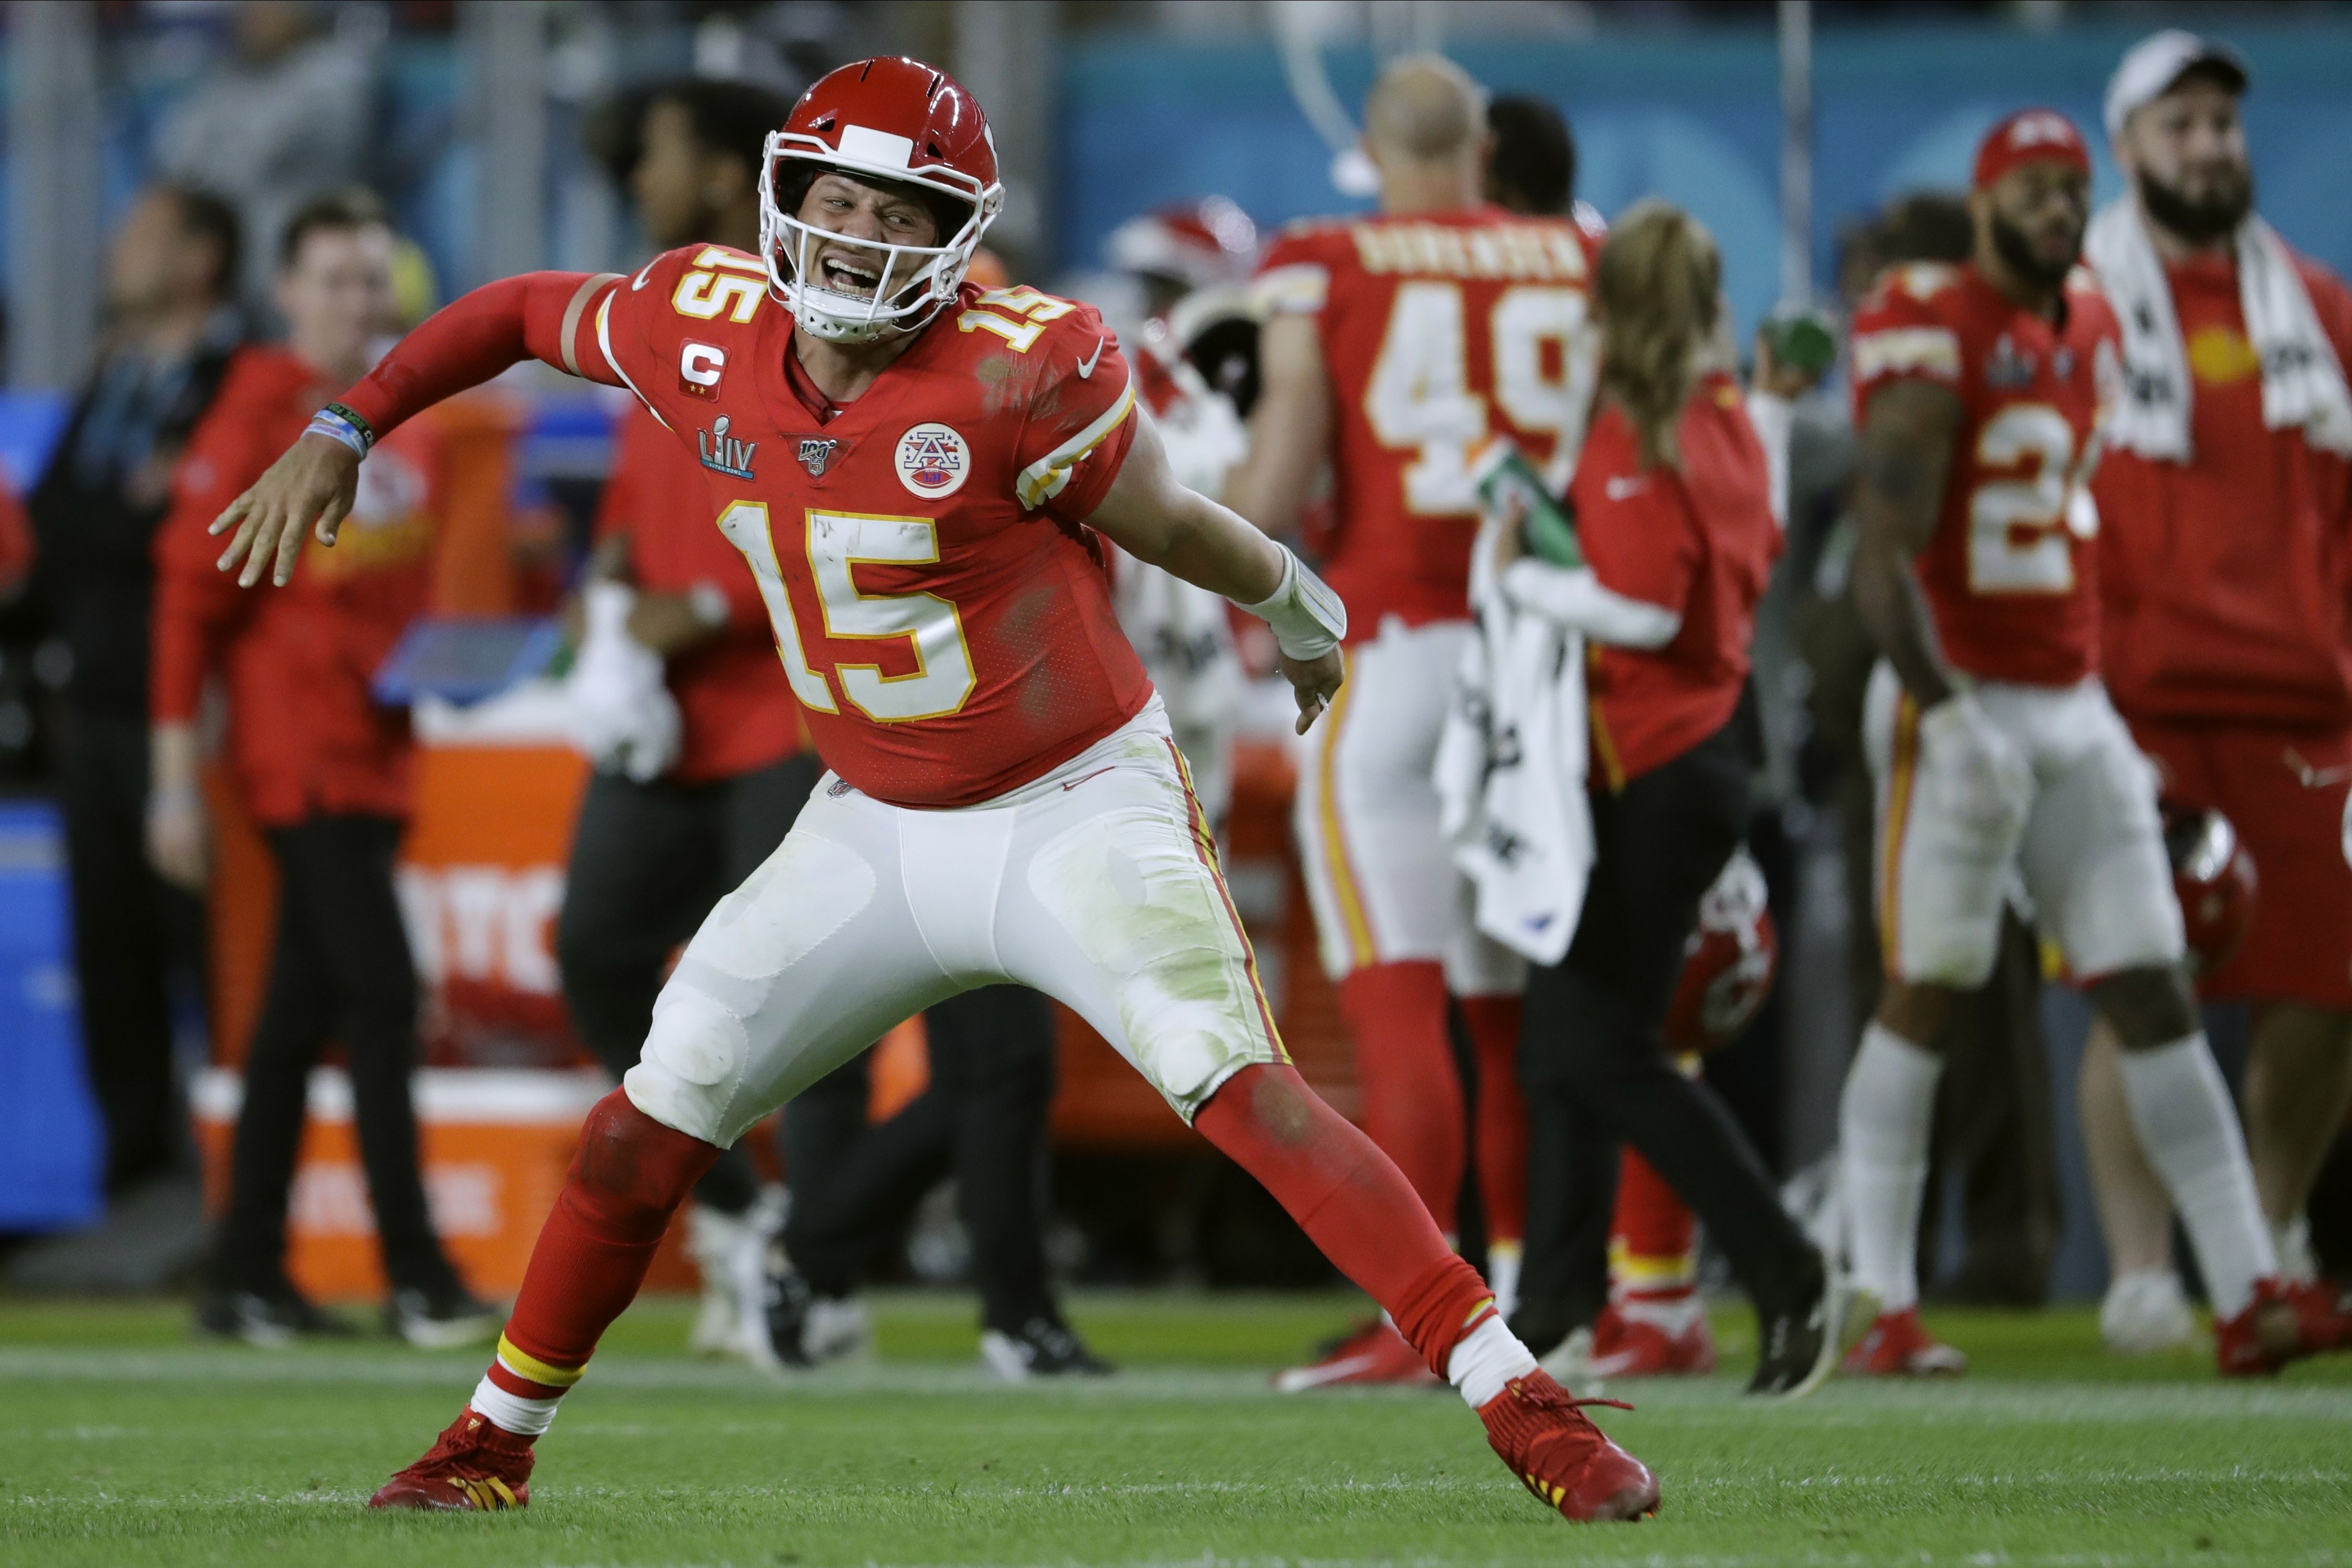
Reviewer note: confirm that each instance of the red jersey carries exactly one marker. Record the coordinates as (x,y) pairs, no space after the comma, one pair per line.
(943,614)
(1438,330)
(2011,571)
(732,692)
(1699,540)
(2226,580)
(305,735)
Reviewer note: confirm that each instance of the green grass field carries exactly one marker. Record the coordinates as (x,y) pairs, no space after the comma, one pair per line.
(121,1442)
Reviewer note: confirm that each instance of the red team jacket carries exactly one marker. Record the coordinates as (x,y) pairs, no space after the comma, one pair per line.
(2011,571)
(1699,540)
(2226,580)
(305,736)
(1437,328)
(732,692)
(942,610)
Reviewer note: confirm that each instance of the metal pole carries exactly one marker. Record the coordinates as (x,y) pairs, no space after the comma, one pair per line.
(1796,151)
(1002,50)
(53,220)
(507,44)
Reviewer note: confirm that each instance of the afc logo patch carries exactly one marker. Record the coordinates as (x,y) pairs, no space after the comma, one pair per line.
(933,461)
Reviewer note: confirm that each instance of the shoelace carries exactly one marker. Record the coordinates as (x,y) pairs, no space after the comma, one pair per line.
(1557,1398)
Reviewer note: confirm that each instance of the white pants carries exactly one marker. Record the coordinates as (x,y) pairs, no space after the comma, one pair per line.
(1382,884)
(2090,848)
(1096,885)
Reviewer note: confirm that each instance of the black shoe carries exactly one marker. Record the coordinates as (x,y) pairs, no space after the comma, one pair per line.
(445,1316)
(270,1319)
(776,1338)
(1797,1346)
(1043,1347)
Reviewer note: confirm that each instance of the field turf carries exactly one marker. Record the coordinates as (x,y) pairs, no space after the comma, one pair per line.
(121,1442)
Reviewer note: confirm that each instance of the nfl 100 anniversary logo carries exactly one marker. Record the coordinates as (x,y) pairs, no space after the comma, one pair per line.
(933,461)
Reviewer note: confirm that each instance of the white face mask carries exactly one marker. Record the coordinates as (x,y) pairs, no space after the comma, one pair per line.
(912,282)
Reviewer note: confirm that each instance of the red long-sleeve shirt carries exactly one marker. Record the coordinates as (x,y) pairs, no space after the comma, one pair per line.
(305,736)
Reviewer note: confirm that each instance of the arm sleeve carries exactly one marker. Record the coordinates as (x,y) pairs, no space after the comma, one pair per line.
(196,606)
(1294,280)
(1077,429)
(1899,335)
(547,316)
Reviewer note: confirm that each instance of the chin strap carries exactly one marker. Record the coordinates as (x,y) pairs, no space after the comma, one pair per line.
(1307,618)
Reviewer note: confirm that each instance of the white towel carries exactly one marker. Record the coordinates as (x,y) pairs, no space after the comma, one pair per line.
(2302,383)
(1511,770)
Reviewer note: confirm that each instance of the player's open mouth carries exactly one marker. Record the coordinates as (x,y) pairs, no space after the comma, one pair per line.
(847,276)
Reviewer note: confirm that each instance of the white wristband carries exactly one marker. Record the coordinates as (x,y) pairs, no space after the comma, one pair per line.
(1307,618)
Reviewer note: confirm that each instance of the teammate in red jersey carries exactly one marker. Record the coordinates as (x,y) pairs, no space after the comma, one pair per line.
(2226,577)
(1396,344)
(917,471)
(1996,751)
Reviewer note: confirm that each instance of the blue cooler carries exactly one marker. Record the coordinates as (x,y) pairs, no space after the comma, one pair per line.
(52,1148)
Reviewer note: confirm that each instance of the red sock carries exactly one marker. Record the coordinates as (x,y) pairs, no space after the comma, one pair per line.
(1350,1200)
(1502,1115)
(1652,1236)
(629,1176)
(1405,1062)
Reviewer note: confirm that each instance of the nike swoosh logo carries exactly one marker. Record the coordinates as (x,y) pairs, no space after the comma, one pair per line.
(641,276)
(1086,366)
(1076,782)
(1620,489)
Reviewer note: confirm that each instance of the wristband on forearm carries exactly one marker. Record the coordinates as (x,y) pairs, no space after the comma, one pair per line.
(340,422)
(1308,617)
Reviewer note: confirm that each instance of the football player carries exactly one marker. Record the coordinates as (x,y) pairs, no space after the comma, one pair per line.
(2223,500)
(1996,751)
(1394,344)
(917,471)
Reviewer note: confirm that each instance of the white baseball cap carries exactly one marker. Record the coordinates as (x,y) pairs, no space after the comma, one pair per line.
(2155,64)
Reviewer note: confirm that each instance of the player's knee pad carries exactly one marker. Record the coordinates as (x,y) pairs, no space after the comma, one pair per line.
(692,1069)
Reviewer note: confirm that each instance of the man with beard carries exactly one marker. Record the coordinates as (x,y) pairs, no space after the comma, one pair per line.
(2223,572)
(1994,749)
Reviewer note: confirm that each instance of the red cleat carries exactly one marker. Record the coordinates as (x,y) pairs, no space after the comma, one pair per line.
(1374,1353)
(1897,1346)
(2283,1322)
(474,1464)
(1641,1338)
(1561,1457)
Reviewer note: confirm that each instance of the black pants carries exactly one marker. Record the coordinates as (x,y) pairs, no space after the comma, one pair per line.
(133,934)
(340,972)
(1594,1072)
(983,1116)
(648,861)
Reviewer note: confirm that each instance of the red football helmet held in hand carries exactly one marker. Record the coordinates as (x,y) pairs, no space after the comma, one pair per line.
(1728,964)
(2213,877)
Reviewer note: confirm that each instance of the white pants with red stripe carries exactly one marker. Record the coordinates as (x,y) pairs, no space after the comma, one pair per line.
(2090,850)
(1383,886)
(1096,885)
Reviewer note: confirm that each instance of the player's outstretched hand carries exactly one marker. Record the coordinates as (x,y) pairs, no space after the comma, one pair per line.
(312,486)
(1314,682)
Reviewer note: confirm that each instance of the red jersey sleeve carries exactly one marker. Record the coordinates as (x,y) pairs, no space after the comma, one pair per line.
(546,316)
(1901,333)
(1635,529)
(1294,277)
(1079,421)
(197,606)
(2332,302)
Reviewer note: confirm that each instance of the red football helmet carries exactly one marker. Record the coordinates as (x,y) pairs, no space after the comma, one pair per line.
(1198,244)
(2213,877)
(1728,964)
(890,120)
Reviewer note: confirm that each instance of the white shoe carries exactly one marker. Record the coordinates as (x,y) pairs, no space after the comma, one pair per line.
(1570,1364)
(714,1240)
(837,1330)
(2145,1311)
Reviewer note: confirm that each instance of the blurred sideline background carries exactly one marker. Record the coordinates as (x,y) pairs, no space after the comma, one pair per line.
(491,129)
